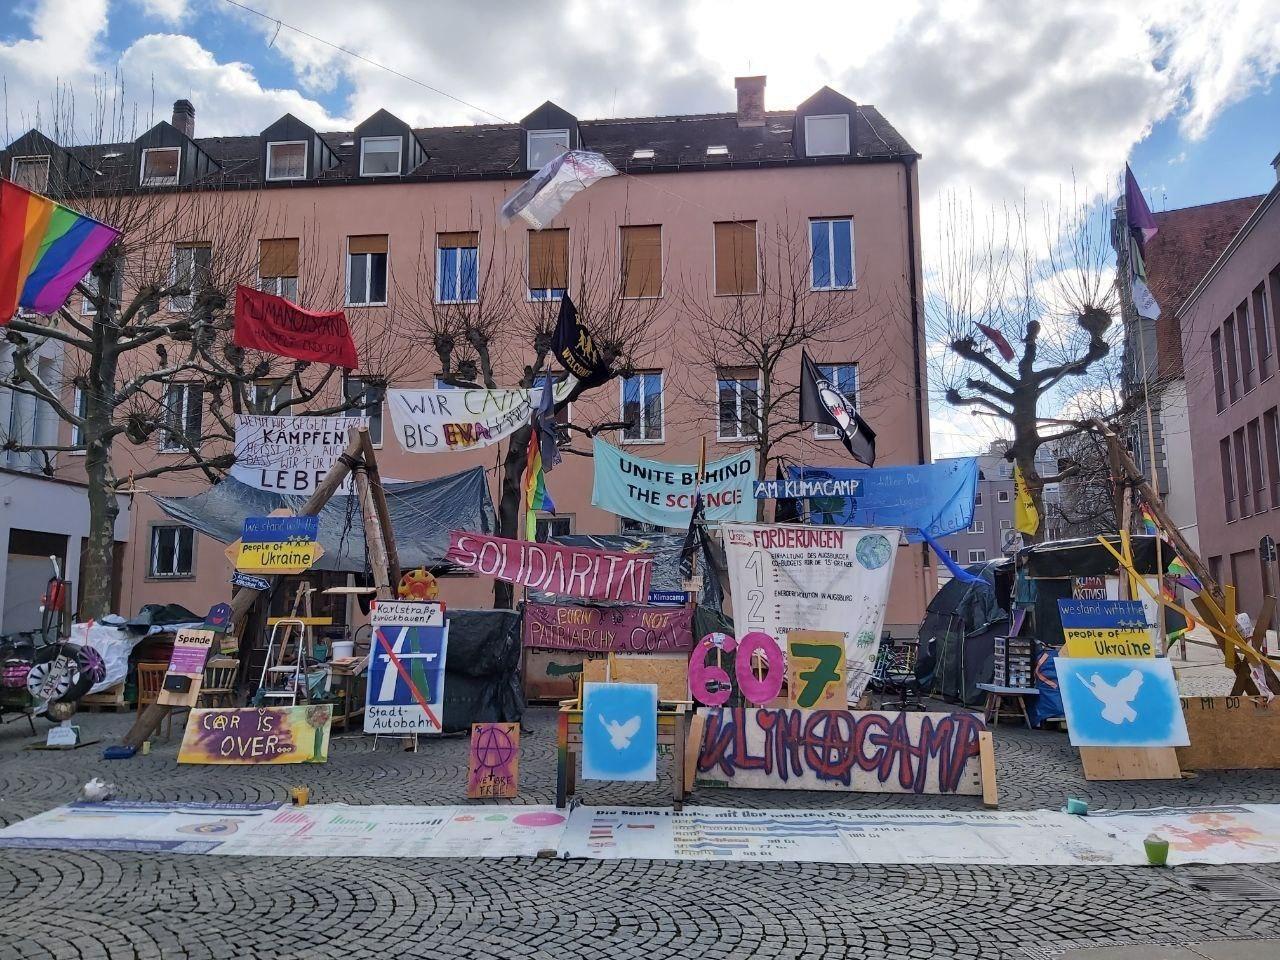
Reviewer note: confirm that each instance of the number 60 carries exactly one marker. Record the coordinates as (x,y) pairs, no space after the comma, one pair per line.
(709,682)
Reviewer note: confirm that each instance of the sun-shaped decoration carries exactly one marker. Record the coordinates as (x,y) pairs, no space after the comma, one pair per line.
(418,585)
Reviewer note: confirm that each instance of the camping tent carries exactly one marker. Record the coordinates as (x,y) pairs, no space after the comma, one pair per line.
(957,635)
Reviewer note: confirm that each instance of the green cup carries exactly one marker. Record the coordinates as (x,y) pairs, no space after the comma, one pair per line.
(1157,850)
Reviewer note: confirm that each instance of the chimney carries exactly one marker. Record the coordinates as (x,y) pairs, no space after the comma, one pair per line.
(750,101)
(184,117)
(1275,165)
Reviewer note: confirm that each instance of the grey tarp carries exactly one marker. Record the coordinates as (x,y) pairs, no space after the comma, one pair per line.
(422,514)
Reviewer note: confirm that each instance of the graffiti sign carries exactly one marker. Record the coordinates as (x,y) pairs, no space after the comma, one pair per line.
(258,735)
(493,767)
(554,626)
(758,668)
(859,751)
(1106,628)
(815,669)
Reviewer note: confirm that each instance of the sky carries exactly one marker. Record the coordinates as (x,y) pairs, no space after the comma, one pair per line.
(1006,100)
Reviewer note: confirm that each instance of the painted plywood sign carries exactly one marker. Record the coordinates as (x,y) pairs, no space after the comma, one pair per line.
(858,751)
(186,667)
(254,735)
(619,731)
(1231,733)
(1115,702)
(493,767)
(1106,628)
(405,692)
(630,629)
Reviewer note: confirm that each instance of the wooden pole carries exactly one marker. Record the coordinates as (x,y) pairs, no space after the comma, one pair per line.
(374,545)
(149,720)
(370,461)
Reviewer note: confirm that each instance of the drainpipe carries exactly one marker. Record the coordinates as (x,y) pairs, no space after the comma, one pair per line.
(908,166)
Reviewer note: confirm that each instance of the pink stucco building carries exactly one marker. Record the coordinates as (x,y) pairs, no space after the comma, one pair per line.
(713,213)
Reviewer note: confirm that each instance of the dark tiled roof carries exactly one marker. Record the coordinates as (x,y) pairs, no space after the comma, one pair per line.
(1178,256)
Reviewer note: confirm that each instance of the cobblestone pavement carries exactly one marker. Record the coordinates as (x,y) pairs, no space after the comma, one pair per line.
(94,905)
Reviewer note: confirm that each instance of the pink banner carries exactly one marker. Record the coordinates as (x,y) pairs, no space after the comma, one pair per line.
(554,626)
(568,571)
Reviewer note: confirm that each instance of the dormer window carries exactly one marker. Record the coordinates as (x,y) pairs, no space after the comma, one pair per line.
(642,153)
(380,156)
(160,166)
(718,151)
(30,172)
(826,136)
(545,145)
(287,160)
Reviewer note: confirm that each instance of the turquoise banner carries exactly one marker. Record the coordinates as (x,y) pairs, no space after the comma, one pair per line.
(662,493)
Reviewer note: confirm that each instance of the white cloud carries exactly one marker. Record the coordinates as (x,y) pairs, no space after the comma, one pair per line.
(171,12)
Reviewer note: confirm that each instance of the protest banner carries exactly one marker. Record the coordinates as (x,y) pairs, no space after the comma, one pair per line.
(277,544)
(804,489)
(1089,588)
(785,577)
(1106,628)
(622,629)
(181,687)
(405,690)
(662,493)
(619,731)
(493,765)
(253,735)
(441,421)
(273,324)
(289,455)
(858,751)
(567,571)
(1117,702)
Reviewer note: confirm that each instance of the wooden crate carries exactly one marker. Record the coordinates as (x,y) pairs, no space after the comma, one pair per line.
(111,698)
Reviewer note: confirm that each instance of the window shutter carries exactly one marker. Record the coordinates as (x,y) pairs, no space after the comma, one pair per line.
(461,238)
(642,261)
(549,259)
(278,258)
(367,244)
(736,257)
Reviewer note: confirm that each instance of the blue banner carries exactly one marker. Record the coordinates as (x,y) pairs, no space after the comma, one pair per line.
(662,493)
(935,497)
(796,489)
(279,529)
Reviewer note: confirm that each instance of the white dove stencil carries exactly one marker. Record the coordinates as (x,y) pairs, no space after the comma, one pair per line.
(1116,699)
(620,734)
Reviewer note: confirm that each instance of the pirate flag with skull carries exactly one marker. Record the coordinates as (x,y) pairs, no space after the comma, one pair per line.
(822,402)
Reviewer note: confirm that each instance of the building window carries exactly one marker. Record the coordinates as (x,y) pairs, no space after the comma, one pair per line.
(380,156)
(278,267)
(270,397)
(457,267)
(366,271)
(1002,496)
(1246,345)
(548,264)
(1233,363)
(627,525)
(1228,482)
(844,376)
(1271,439)
(1219,383)
(81,401)
(738,392)
(1005,470)
(1241,473)
(641,255)
(826,136)
(1006,524)
(953,554)
(978,526)
(642,407)
(31,173)
(160,166)
(183,413)
(545,145)
(977,500)
(173,551)
(736,258)
(1262,330)
(365,395)
(117,291)
(977,556)
(1255,465)
(190,272)
(547,527)
(287,160)
(831,253)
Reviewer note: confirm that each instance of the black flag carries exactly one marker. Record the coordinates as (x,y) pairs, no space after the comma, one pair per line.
(695,538)
(821,402)
(788,508)
(573,345)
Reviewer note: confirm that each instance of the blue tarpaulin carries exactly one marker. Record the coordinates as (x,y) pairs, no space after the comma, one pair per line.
(934,497)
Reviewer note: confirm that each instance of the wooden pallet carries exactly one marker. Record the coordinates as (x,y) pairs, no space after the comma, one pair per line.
(110,699)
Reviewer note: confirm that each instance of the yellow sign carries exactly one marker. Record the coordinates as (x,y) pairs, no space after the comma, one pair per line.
(1109,642)
(280,557)
(815,669)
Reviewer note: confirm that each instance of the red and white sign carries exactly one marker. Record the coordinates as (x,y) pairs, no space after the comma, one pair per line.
(276,325)
(567,571)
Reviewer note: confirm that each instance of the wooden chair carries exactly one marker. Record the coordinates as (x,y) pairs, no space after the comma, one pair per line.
(218,688)
(150,682)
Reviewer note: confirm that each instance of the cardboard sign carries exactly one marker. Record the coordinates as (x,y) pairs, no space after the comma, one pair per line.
(1089,588)
(405,692)
(624,629)
(619,731)
(661,493)
(815,669)
(1231,733)
(253,735)
(568,571)
(190,650)
(1106,628)
(289,455)
(1117,702)
(493,766)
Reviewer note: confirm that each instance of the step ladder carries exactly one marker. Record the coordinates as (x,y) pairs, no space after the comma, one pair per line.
(294,676)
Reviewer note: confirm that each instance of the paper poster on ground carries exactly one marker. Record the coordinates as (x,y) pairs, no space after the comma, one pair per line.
(1218,834)
(786,577)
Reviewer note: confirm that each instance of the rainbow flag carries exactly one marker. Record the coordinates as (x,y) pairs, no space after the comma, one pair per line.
(45,250)
(1183,575)
(1149,526)
(536,495)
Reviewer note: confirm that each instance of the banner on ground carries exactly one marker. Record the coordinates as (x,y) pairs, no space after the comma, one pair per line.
(253,735)
(556,626)
(662,493)
(567,571)
(289,455)
(1106,628)
(405,690)
(935,497)
(443,421)
(786,577)
(275,325)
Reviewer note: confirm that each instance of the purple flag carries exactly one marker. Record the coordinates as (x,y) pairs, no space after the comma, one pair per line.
(1141,222)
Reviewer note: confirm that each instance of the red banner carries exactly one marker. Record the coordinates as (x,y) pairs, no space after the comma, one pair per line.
(568,571)
(276,325)
(556,626)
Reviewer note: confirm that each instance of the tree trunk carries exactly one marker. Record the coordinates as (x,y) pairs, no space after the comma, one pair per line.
(98,559)
(509,507)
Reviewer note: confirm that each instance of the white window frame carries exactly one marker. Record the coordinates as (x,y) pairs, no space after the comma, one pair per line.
(1002,496)
(662,416)
(306,157)
(188,387)
(823,431)
(954,555)
(740,437)
(830,222)
(977,556)
(977,500)
(77,407)
(13,166)
(179,303)
(978,526)
(380,416)
(180,531)
(279,287)
(544,520)
(368,274)
(456,296)
(159,181)
(1006,525)
(399,141)
(808,140)
(541,135)
(282,389)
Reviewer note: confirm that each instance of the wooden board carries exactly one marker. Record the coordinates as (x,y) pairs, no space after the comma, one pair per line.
(1231,733)
(697,724)
(493,766)
(987,758)
(1130,763)
(809,686)
(671,674)
(188,645)
(552,674)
